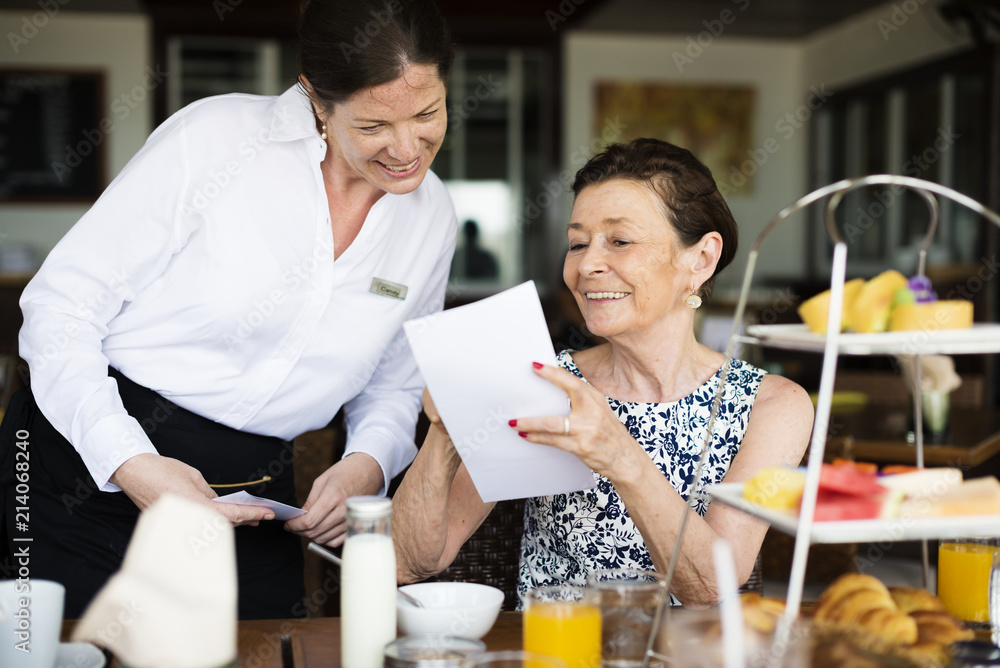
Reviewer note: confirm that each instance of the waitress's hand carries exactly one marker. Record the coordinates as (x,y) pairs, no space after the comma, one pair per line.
(326,508)
(595,434)
(144,478)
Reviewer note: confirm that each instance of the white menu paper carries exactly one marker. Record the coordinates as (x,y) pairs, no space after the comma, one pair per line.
(282,511)
(476,360)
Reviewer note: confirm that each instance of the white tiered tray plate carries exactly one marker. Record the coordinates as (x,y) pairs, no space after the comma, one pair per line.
(980,338)
(861,531)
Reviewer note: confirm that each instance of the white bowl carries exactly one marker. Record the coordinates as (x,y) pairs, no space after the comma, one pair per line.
(463,609)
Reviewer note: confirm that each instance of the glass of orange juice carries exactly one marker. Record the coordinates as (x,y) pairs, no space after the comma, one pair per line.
(564,621)
(963,578)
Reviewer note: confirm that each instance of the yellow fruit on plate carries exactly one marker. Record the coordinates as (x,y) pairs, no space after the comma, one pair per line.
(814,311)
(947,314)
(775,487)
(870,310)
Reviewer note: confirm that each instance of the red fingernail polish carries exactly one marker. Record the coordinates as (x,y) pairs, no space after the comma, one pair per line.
(512,423)
(522,434)
(537,365)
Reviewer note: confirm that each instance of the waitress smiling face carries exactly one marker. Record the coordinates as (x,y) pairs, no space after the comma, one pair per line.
(388,135)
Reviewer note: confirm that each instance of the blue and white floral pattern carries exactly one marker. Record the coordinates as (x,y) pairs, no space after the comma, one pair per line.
(567,536)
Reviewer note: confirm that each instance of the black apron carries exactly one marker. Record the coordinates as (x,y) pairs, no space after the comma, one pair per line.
(79,534)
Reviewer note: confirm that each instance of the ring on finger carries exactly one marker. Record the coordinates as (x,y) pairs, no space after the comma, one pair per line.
(566,426)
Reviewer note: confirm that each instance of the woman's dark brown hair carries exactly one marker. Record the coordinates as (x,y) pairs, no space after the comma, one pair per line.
(348,45)
(692,202)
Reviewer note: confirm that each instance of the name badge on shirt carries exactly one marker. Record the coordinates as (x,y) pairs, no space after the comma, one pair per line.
(380,286)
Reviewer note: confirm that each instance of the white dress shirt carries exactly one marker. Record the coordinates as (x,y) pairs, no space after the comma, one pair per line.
(205,272)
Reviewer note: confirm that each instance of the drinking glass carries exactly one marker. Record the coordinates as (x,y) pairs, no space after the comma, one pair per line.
(995,598)
(694,639)
(935,408)
(564,621)
(629,600)
(963,578)
(513,659)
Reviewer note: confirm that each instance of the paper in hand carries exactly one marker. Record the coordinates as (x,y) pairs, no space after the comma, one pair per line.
(476,361)
(282,511)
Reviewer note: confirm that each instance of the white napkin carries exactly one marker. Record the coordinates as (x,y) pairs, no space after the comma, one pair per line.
(173,603)
(937,373)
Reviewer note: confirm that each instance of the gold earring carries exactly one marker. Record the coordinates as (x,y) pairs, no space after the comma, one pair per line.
(693,300)
(322,134)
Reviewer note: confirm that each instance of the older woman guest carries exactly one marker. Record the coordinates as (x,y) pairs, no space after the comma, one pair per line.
(649,232)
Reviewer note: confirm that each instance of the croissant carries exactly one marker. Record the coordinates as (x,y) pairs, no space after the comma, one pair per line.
(911,599)
(911,620)
(761,613)
(846,584)
(829,604)
(853,607)
(893,626)
(932,653)
(940,628)
(862,601)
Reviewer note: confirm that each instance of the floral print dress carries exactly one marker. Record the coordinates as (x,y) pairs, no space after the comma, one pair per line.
(567,536)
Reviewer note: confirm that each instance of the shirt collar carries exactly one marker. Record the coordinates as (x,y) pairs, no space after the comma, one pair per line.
(293,116)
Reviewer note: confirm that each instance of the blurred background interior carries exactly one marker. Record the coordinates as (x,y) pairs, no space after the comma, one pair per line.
(777,96)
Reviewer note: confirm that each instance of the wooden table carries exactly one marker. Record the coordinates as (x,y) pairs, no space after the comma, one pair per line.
(315,643)
(879,435)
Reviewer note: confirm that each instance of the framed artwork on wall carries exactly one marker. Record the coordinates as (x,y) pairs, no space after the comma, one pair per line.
(714,122)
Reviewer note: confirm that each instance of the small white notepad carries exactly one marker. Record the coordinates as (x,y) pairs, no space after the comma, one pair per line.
(476,361)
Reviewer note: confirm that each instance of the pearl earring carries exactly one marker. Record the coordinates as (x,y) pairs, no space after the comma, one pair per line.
(693,300)
(322,133)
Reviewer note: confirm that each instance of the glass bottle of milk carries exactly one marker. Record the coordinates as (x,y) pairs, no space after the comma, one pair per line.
(367,583)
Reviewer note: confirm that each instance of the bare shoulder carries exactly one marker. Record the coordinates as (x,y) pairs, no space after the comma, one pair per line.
(782,413)
(778,389)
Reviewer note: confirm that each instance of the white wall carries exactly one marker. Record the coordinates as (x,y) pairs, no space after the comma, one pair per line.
(772,67)
(118,44)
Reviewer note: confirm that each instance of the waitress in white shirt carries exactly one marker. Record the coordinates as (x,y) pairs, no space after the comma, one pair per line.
(242,279)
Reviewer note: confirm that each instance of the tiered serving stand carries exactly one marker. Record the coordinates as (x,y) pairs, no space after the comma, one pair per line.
(981,338)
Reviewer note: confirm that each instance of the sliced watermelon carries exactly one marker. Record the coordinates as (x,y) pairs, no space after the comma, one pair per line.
(835,507)
(849,481)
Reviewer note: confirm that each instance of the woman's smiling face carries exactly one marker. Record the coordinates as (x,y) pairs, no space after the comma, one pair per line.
(389,134)
(624,260)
